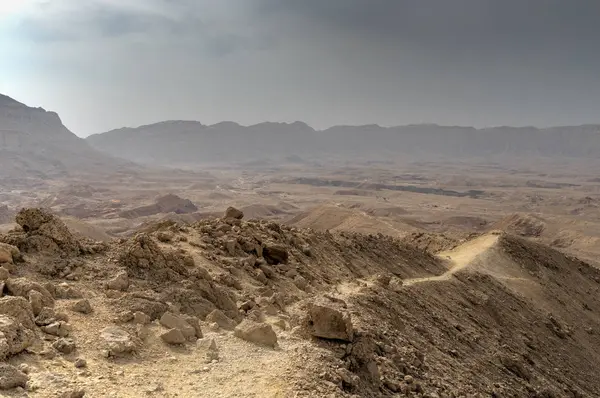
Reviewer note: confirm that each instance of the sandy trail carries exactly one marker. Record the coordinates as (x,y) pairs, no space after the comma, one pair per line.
(460,257)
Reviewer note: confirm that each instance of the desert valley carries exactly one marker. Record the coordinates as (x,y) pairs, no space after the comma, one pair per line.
(276,260)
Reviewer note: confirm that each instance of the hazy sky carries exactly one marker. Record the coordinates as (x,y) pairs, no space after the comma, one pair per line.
(103,64)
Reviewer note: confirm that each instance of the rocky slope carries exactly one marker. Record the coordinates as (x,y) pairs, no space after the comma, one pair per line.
(192,143)
(35,144)
(237,308)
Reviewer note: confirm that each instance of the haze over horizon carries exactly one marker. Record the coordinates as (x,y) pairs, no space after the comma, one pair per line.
(109,64)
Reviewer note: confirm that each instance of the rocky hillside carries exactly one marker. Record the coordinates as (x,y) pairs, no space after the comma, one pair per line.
(35,144)
(189,143)
(236,308)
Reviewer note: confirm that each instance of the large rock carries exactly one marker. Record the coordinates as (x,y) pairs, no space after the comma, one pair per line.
(23,286)
(172,321)
(18,308)
(119,282)
(11,377)
(275,254)
(8,253)
(83,306)
(14,337)
(173,336)
(117,341)
(218,317)
(257,333)
(329,323)
(232,212)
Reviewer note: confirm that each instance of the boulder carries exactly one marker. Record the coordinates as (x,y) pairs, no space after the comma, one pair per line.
(257,333)
(46,317)
(172,321)
(218,317)
(14,337)
(119,282)
(11,377)
(329,323)
(83,306)
(275,253)
(18,308)
(173,336)
(59,328)
(141,318)
(195,323)
(36,300)
(117,341)
(22,286)
(9,253)
(234,213)
(64,345)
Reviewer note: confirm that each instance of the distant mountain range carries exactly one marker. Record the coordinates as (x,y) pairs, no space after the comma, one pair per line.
(35,144)
(189,143)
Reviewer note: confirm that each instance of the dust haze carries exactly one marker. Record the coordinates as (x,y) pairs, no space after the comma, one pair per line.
(273,198)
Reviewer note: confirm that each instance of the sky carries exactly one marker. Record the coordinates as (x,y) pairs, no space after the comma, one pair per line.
(104,64)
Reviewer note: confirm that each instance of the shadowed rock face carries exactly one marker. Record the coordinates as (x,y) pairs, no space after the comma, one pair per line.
(35,143)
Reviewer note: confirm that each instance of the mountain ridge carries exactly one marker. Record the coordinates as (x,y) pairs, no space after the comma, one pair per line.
(193,143)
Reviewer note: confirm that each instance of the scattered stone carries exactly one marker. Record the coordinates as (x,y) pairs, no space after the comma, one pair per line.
(83,306)
(80,363)
(46,317)
(77,393)
(141,318)
(11,377)
(195,323)
(257,333)
(307,250)
(218,317)
(65,291)
(213,326)
(261,277)
(119,282)
(247,305)
(275,254)
(173,336)
(232,212)
(300,282)
(60,329)
(117,341)
(207,344)
(36,300)
(64,345)
(24,368)
(172,321)
(23,286)
(18,308)
(230,247)
(330,323)
(164,237)
(9,253)
(14,337)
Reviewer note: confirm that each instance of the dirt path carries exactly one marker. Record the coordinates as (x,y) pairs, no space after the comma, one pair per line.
(459,257)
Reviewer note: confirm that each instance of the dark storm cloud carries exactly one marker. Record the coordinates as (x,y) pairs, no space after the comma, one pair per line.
(479,25)
(470,62)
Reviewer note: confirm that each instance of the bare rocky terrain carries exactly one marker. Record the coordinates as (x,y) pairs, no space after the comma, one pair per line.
(328,276)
